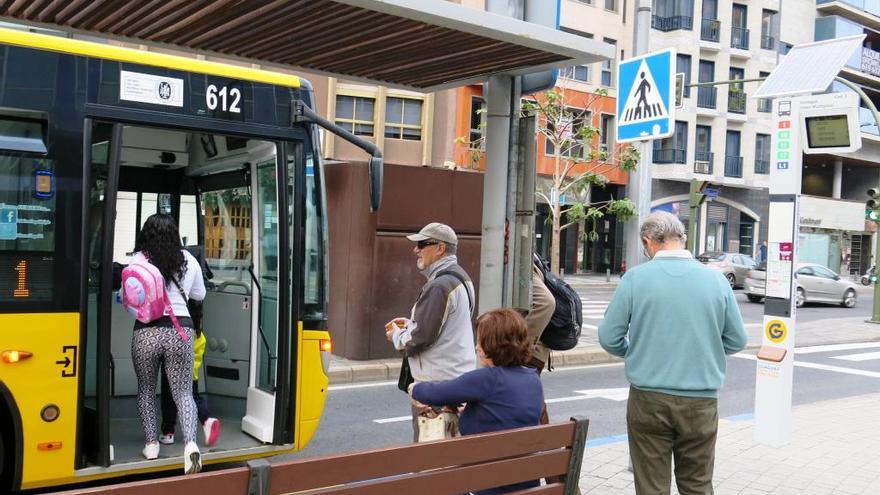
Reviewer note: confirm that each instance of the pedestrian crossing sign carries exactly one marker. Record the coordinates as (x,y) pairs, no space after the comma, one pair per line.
(645,104)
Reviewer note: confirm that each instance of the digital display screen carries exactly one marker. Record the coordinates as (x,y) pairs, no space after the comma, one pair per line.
(828,131)
(26,277)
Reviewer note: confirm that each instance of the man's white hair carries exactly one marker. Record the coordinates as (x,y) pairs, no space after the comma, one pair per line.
(662,227)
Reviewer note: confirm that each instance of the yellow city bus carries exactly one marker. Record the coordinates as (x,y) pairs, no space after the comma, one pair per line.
(95,138)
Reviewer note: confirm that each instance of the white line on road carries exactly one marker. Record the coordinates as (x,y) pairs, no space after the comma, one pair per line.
(398,419)
(835,347)
(824,367)
(591,327)
(865,356)
(592,301)
(360,385)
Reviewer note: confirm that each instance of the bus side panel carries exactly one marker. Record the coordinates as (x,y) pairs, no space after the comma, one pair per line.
(312,386)
(48,377)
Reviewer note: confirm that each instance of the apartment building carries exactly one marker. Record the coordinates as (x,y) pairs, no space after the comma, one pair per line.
(836,185)
(722,136)
(611,22)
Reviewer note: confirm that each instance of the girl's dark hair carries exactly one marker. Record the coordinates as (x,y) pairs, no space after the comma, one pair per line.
(159,240)
(504,337)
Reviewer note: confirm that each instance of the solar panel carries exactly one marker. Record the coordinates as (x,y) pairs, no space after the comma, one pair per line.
(800,72)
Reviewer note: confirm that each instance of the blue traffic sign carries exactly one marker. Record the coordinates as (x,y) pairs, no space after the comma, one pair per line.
(710,192)
(645,101)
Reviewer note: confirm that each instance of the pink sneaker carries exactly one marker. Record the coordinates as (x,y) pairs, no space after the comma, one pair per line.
(212,431)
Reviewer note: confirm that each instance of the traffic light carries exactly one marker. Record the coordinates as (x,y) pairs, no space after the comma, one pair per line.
(872,206)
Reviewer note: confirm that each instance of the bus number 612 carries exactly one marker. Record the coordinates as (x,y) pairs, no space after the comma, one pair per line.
(213,97)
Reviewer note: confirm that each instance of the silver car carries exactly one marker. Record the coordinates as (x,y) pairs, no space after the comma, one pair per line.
(734,266)
(815,283)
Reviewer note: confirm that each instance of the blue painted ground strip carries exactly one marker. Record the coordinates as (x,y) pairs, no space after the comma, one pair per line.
(598,442)
(660,66)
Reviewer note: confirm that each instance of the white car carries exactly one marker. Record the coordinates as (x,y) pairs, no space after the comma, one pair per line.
(815,283)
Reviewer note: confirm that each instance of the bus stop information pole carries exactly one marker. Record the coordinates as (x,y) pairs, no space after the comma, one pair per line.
(775,362)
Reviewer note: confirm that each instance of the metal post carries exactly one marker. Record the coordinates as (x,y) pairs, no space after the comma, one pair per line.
(495,192)
(875,313)
(695,199)
(514,165)
(639,186)
(523,233)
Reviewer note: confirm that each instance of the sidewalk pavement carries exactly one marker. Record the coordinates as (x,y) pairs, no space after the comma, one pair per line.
(588,351)
(833,450)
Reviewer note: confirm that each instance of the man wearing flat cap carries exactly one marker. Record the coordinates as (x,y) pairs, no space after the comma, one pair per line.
(438,338)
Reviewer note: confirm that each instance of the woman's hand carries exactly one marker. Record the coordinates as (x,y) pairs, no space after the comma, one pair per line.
(410,388)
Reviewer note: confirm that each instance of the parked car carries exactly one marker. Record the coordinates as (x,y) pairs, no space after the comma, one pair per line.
(734,266)
(869,277)
(815,283)
(754,283)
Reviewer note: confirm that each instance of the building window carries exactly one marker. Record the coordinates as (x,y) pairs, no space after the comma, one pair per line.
(768,29)
(356,114)
(611,5)
(608,66)
(674,148)
(606,137)
(671,15)
(764,105)
(703,157)
(403,118)
(762,154)
(572,123)
(576,73)
(683,66)
(478,121)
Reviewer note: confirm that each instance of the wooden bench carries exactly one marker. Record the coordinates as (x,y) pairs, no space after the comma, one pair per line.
(454,466)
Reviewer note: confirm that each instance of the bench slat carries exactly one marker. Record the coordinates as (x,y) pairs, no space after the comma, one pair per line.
(551,489)
(227,481)
(339,469)
(462,479)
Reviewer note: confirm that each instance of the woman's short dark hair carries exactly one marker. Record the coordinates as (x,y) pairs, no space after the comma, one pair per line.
(159,240)
(504,337)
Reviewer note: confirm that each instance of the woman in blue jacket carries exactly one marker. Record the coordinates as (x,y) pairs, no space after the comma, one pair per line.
(503,394)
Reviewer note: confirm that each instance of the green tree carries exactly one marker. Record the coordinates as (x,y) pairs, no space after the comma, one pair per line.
(579,164)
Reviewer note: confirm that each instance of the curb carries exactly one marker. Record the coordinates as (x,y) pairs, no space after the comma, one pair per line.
(389,369)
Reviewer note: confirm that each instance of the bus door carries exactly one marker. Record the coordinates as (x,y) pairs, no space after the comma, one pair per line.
(235,189)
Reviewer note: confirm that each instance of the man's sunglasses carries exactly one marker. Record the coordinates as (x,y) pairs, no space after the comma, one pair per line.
(424,244)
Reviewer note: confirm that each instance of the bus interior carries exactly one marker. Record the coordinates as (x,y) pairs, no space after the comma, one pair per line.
(224,192)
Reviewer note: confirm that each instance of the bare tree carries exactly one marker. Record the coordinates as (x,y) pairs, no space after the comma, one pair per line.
(579,164)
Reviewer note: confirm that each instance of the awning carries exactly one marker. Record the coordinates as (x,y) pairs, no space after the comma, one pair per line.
(424,45)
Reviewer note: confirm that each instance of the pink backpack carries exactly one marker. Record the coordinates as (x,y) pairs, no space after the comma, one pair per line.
(144,296)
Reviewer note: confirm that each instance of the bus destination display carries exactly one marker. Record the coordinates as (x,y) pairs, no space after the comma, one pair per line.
(827,131)
(26,277)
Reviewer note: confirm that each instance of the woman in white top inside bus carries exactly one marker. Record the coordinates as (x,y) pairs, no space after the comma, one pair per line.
(158,341)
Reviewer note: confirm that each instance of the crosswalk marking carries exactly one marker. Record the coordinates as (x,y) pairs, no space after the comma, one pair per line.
(836,347)
(865,356)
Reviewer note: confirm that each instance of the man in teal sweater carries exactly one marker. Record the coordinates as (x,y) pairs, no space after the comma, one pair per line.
(673,321)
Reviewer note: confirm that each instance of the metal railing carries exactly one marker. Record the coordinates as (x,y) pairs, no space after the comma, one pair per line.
(736,101)
(733,166)
(768,42)
(762,166)
(703,162)
(672,23)
(711,30)
(669,155)
(765,106)
(739,38)
(707,97)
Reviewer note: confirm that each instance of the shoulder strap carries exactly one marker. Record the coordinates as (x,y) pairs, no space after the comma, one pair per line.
(463,283)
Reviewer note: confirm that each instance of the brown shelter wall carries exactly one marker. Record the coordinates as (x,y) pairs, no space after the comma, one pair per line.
(373,275)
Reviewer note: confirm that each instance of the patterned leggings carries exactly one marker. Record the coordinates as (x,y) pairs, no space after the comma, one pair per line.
(148,346)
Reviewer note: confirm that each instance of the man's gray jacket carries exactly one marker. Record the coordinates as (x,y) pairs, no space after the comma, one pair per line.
(440,343)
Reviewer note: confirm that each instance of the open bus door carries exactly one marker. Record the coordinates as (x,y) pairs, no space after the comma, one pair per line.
(233,191)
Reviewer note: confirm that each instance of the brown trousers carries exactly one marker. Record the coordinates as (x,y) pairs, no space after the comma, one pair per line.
(662,427)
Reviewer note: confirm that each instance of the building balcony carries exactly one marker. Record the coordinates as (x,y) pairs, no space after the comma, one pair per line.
(768,42)
(762,166)
(736,101)
(864,12)
(669,155)
(739,38)
(703,162)
(765,106)
(707,97)
(733,166)
(673,23)
(711,30)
